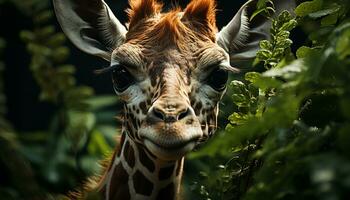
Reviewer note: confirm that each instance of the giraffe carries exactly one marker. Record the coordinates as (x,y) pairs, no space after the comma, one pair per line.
(170,71)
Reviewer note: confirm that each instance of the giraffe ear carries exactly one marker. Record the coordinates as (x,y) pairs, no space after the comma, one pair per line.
(142,9)
(90,25)
(241,37)
(202,12)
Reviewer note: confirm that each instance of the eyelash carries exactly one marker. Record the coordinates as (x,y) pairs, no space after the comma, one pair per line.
(106,69)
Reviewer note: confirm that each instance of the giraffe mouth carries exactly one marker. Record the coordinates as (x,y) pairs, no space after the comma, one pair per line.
(170,151)
(172,146)
(170,141)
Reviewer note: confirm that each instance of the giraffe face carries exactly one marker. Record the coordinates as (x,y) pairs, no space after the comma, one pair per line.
(169,69)
(170,91)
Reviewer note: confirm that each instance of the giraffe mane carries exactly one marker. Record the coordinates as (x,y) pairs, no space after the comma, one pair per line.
(171,28)
(203,13)
(141,9)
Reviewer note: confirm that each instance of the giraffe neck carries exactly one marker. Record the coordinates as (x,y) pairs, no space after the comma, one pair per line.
(136,174)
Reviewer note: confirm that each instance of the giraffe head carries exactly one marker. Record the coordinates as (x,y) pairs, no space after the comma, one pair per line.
(169,68)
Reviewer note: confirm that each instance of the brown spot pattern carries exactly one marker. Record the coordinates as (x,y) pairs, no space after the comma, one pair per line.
(143,107)
(119,184)
(198,108)
(166,172)
(167,193)
(141,184)
(129,155)
(145,160)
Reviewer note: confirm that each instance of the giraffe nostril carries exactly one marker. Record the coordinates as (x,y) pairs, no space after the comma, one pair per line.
(184,114)
(158,114)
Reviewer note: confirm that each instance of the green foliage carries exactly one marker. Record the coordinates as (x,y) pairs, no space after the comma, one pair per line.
(328,11)
(273,51)
(55,78)
(289,138)
(76,140)
(15,164)
(263,7)
(318,17)
(81,130)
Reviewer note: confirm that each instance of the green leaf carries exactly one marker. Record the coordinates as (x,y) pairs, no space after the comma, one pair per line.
(98,144)
(56,40)
(109,132)
(343,44)
(284,17)
(241,96)
(240,100)
(100,102)
(278,52)
(287,72)
(283,44)
(257,12)
(75,97)
(27,36)
(262,82)
(288,26)
(263,3)
(325,12)
(262,11)
(330,20)
(238,118)
(66,69)
(80,123)
(308,7)
(263,54)
(263,7)
(265,44)
(219,145)
(45,32)
(60,54)
(304,52)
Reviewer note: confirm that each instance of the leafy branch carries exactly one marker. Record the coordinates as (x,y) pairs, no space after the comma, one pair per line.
(72,145)
(273,51)
(295,115)
(265,8)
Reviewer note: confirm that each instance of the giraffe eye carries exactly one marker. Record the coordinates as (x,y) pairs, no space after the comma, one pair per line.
(217,79)
(122,79)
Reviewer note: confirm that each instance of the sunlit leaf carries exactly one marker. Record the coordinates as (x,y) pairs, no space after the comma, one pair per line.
(321,13)
(100,102)
(308,7)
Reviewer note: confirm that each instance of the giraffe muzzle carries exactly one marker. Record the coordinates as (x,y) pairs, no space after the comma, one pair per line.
(170,141)
(169,113)
(170,136)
